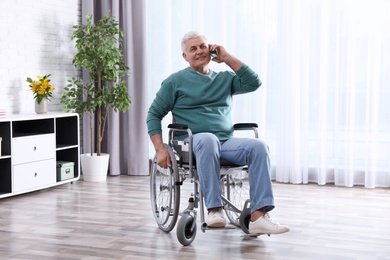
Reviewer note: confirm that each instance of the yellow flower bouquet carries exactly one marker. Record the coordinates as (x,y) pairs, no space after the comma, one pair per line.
(41,88)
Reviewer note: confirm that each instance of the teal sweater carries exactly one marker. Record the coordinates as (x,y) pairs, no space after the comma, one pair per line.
(201,101)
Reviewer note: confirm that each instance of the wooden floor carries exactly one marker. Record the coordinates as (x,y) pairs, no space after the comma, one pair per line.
(113,220)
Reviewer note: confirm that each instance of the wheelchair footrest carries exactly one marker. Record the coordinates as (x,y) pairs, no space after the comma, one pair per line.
(254,235)
(221,228)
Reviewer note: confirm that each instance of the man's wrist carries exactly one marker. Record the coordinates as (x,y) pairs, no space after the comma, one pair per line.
(234,63)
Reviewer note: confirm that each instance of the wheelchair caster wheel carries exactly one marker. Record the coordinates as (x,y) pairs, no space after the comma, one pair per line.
(183,230)
(245,217)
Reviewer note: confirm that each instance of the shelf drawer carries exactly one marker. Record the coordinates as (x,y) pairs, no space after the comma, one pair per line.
(29,176)
(33,148)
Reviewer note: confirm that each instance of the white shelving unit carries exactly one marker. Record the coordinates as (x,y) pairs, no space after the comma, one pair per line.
(31,145)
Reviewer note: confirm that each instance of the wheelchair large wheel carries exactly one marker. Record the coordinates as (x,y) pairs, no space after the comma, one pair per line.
(184,231)
(165,193)
(235,187)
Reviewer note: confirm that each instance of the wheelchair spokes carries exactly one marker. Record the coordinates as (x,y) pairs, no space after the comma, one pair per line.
(235,188)
(165,195)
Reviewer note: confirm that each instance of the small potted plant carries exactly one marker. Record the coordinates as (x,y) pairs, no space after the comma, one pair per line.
(42,91)
(99,52)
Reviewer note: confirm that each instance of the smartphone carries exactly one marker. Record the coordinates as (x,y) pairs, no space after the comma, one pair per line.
(214,54)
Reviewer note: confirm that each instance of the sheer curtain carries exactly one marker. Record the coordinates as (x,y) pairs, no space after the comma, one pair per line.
(126,137)
(332,123)
(324,104)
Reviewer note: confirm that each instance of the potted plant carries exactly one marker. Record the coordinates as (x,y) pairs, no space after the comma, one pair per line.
(42,92)
(99,52)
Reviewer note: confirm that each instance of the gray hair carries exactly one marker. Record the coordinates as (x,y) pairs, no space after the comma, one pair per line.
(188,36)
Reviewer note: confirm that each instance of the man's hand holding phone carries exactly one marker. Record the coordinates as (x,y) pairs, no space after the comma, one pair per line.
(219,54)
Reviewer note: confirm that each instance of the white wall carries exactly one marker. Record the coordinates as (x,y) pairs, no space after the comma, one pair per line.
(35,40)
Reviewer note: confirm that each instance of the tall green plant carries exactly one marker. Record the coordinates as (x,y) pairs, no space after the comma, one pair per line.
(99,51)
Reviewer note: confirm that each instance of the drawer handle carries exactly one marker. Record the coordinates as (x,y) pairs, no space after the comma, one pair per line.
(35,148)
(36,174)
(67,171)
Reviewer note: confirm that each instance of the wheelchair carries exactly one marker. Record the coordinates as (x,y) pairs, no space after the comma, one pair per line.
(165,188)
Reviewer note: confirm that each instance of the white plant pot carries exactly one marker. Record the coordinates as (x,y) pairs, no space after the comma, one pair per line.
(94,167)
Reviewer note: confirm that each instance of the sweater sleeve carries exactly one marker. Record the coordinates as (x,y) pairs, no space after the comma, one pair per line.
(246,81)
(160,107)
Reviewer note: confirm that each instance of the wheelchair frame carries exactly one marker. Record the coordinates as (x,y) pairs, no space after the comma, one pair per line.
(165,188)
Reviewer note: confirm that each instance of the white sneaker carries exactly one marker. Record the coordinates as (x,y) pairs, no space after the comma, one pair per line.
(216,219)
(265,225)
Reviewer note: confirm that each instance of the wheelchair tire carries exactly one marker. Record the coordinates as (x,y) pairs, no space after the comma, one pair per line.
(235,187)
(183,230)
(165,193)
(245,217)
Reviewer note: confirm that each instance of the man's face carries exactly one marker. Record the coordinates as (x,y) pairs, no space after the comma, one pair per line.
(197,52)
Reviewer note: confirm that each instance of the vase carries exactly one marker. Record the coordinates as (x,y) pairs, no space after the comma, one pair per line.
(41,108)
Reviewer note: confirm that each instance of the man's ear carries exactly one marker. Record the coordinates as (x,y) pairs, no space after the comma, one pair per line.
(184,56)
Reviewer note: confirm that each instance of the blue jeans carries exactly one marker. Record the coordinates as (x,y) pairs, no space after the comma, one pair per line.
(208,150)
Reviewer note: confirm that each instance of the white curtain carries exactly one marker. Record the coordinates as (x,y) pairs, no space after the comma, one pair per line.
(324,106)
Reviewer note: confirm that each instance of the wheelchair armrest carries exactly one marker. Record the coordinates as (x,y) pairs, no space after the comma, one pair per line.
(247,126)
(244,126)
(178,126)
